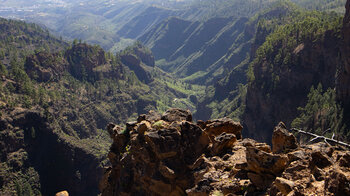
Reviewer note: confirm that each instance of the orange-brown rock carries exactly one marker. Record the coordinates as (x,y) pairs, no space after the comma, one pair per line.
(62,193)
(180,158)
(216,127)
(282,140)
(176,114)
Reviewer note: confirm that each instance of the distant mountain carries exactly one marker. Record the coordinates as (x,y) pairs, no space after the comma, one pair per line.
(56,99)
(104,22)
(201,49)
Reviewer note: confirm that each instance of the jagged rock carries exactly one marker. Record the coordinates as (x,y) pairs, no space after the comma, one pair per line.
(176,114)
(296,155)
(215,127)
(252,143)
(320,159)
(180,158)
(143,127)
(337,183)
(151,116)
(344,160)
(62,193)
(165,143)
(282,140)
(263,166)
(222,142)
(157,163)
(284,186)
(262,162)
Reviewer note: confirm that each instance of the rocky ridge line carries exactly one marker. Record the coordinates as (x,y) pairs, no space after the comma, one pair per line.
(170,155)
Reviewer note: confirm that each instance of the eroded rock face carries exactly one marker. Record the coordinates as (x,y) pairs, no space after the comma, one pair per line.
(30,144)
(178,157)
(136,65)
(343,78)
(177,115)
(44,66)
(282,140)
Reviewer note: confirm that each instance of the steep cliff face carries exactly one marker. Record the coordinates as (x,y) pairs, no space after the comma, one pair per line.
(45,67)
(139,59)
(285,68)
(170,155)
(37,159)
(83,60)
(343,78)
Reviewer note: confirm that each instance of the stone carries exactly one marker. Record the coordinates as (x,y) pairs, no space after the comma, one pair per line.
(320,159)
(166,171)
(222,142)
(215,127)
(296,155)
(337,183)
(344,160)
(260,181)
(113,130)
(284,186)
(152,116)
(176,114)
(282,140)
(62,193)
(143,127)
(164,143)
(262,162)
(180,157)
(131,125)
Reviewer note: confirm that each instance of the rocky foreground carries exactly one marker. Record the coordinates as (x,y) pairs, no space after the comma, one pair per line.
(170,155)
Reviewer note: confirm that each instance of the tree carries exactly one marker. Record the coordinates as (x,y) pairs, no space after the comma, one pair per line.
(75,42)
(3,70)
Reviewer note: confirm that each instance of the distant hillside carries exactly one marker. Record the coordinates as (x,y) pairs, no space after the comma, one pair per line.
(196,48)
(108,22)
(55,102)
(18,39)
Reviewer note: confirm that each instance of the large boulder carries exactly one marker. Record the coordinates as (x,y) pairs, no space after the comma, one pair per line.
(216,127)
(282,140)
(176,114)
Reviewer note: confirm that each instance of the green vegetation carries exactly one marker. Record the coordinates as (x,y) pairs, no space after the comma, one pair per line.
(79,89)
(323,5)
(322,113)
(289,33)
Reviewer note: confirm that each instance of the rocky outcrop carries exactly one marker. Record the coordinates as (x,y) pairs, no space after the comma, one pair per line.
(84,60)
(282,140)
(140,60)
(42,160)
(136,65)
(44,66)
(177,157)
